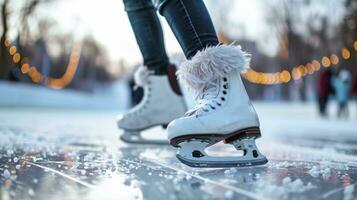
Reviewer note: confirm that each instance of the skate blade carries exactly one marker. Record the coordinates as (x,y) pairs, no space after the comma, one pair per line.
(136,138)
(192,153)
(251,132)
(213,162)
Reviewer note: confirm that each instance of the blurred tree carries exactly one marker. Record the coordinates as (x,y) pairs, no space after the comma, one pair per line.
(5,58)
(349,34)
(303,34)
(27,9)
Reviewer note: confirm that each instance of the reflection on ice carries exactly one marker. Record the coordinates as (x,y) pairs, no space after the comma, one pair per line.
(118,186)
(66,160)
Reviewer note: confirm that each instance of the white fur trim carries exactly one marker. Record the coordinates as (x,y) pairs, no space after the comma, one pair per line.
(141,77)
(211,64)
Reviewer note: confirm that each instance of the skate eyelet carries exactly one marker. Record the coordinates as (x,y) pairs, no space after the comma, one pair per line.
(213,107)
(224,92)
(218,104)
(223,99)
(225,86)
(225,79)
(197,154)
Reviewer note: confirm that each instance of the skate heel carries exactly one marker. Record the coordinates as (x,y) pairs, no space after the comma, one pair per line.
(252,132)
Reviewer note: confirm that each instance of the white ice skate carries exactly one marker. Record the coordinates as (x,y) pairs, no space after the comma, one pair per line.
(160,105)
(223,111)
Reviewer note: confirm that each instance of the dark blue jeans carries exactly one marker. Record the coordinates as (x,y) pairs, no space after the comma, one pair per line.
(148,33)
(191,24)
(188,19)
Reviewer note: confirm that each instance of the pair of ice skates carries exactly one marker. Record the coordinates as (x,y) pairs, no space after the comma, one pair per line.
(223,111)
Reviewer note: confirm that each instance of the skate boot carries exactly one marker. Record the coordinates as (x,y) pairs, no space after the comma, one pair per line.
(162,103)
(223,111)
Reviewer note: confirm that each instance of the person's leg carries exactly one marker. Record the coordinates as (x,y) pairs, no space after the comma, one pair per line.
(157,77)
(223,111)
(148,33)
(321,105)
(344,109)
(340,109)
(324,105)
(191,23)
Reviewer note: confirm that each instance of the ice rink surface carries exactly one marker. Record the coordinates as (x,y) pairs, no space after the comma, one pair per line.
(75,154)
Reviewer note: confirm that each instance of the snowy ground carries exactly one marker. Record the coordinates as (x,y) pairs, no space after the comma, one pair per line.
(75,154)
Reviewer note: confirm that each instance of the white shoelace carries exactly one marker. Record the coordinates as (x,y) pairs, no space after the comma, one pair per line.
(206,100)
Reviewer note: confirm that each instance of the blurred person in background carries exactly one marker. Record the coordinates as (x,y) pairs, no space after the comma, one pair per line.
(342,84)
(354,87)
(324,91)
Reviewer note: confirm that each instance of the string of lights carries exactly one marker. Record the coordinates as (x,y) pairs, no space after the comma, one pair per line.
(298,72)
(282,77)
(37,77)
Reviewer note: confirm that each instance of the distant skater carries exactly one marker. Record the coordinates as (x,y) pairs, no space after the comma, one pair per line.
(354,87)
(324,90)
(342,84)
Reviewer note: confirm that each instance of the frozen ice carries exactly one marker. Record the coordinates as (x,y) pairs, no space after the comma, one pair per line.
(314,171)
(229,194)
(348,192)
(31,192)
(87,161)
(286,180)
(326,173)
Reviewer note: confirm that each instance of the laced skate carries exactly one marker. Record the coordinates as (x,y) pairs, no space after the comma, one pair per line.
(161,104)
(223,111)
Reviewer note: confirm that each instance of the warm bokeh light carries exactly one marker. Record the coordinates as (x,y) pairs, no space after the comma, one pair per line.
(334,59)
(7,42)
(25,68)
(252,76)
(16,58)
(302,70)
(36,77)
(316,65)
(346,54)
(310,68)
(66,79)
(285,76)
(12,50)
(326,62)
(296,74)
